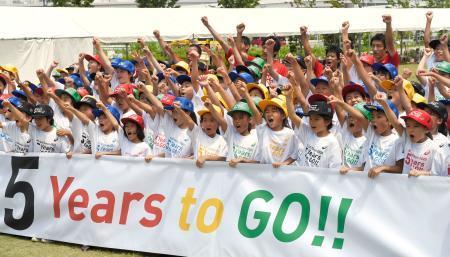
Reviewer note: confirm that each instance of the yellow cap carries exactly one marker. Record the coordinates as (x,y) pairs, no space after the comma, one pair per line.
(261,87)
(184,65)
(206,110)
(222,101)
(409,89)
(214,77)
(419,99)
(62,70)
(387,85)
(276,101)
(10,68)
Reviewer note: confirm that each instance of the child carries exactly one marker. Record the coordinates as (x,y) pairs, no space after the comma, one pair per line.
(422,156)
(242,140)
(439,115)
(17,130)
(43,133)
(207,144)
(104,134)
(383,152)
(131,137)
(321,147)
(277,143)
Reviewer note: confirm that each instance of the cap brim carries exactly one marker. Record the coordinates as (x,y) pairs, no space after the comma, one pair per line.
(264,103)
(315,81)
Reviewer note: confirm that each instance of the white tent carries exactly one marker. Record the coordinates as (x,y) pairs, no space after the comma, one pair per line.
(36,36)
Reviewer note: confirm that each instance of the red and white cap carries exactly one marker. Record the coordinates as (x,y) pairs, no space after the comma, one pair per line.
(135,119)
(421,116)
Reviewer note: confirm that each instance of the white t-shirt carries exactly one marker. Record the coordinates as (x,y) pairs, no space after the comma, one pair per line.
(159,134)
(61,121)
(240,146)
(352,147)
(440,140)
(128,148)
(178,142)
(381,150)
(323,152)
(19,142)
(425,156)
(276,146)
(47,142)
(81,136)
(205,145)
(150,127)
(101,142)
(5,141)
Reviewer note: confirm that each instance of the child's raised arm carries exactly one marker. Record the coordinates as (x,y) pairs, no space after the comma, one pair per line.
(382,99)
(108,115)
(288,91)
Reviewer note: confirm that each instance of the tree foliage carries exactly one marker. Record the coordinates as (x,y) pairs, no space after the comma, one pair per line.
(157,3)
(72,3)
(238,3)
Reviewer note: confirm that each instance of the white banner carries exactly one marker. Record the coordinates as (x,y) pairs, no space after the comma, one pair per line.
(172,207)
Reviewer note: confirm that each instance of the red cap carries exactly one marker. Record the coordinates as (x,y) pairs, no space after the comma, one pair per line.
(353,87)
(95,58)
(128,88)
(317,97)
(82,92)
(134,118)
(367,59)
(421,116)
(167,100)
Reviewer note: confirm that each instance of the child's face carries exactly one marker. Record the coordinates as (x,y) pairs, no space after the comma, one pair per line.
(274,117)
(163,88)
(87,110)
(209,125)
(322,88)
(105,124)
(42,123)
(177,118)
(187,90)
(383,75)
(353,98)
(93,67)
(66,99)
(123,76)
(439,53)
(40,98)
(318,123)
(332,60)
(354,125)
(122,103)
(8,114)
(131,131)
(241,122)
(416,131)
(256,92)
(380,122)
(378,49)
(435,119)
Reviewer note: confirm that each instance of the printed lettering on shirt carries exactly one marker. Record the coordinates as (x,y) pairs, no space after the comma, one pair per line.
(351,156)
(149,140)
(416,162)
(46,147)
(243,152)
(85,141)
(377,155)
(174,146)
(313,155)
(277,149)
(21,148)
(160,141)
(205,151)
(107,147)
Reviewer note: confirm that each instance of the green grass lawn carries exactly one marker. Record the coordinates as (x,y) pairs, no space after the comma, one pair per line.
(15,246)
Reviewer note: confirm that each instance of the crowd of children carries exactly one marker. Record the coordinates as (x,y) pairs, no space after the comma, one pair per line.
(349,112)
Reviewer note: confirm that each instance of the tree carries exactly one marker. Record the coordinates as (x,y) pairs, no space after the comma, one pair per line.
(72,3)
(238,3)
(157,3)
(438,3)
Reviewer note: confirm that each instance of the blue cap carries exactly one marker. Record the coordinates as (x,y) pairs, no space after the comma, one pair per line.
(378,107)
(76,79)
(323,79)
(246,77)
(389,67)
(115,62)
(113,110)
(185,104)
(183,78)
(445,101)
(19,93)
(32,86)
(126,65)
(15,101)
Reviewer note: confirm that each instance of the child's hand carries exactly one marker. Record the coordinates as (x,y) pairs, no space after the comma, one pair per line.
(406,74)
(40,73)
(276,165)
(98,155)
(122,93)
(428,52)
(63,132)
(231,60)
(308,61)
(290,58)
(177,105)
(130,98)
(240,28)
(69,155)
(398,82)
(444,39)
(230,40)
(429,16)
(156,34)
(221,70)
(208,104)
(344,170)
(303,30)
(352,55)
(96,43)
(234,162)
(68,107)
(141,42)
(347,44)
(345,26)
(148,158)
(204,20)
(334,100)
(270,44)
(373,172)
(387,18)
(193,55)
(288,91)
(242,88)
(380,97)
(54,64)
(200,161)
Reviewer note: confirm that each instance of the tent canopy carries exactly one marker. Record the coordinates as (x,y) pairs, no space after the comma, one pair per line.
(114,25)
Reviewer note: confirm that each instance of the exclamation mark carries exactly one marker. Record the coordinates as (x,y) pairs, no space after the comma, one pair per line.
(324,205)
(338,243)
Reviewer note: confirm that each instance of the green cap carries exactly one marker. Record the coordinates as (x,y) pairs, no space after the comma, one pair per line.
(257,100)
(443,67)
(72,92)
(366,113)
(259,62)
(160,96)
(255,70)
(241,107)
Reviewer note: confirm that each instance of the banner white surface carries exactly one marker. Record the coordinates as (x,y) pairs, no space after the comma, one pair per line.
(172,207)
